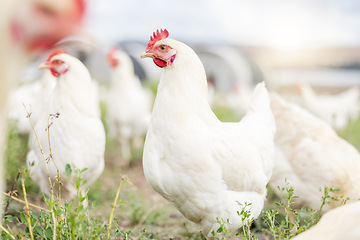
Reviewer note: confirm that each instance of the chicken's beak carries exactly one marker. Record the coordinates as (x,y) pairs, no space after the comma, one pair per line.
(44,65)
(146,54)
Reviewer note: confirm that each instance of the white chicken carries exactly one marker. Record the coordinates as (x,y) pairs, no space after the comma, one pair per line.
(340,223)
(78,136)
(27,27)
(129,104)
(310,155)
(204,167)
(336,109)
(31,95)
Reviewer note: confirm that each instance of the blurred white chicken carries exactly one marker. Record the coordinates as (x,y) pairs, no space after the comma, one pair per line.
(336,109)
(27,27)
(77,137)
(31,95)
(204,167)
(129,104)
(340,223)
(310,155)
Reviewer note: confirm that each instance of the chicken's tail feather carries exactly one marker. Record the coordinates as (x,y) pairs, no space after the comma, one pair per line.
(260,125)
(260,96)
(259,114)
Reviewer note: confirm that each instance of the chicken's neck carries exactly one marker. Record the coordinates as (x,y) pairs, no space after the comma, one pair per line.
(182,93)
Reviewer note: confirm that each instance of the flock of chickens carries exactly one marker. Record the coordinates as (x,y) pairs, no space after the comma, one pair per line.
(206,168)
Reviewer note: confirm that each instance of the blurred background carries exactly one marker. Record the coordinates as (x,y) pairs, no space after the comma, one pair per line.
(281,41)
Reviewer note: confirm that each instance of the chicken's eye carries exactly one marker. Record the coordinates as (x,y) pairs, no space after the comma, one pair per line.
(162,47)
(57,62)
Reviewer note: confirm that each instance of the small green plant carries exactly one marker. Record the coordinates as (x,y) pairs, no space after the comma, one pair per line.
(329,197)
(222,232)
(293,221)
(247,220)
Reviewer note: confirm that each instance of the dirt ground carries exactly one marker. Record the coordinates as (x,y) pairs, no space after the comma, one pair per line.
(139,196)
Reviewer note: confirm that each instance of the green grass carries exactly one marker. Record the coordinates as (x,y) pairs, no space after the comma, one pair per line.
(352,133)
(225,114)
(135,215)
(16,150)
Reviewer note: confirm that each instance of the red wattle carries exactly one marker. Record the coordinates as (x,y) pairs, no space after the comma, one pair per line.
(54,73)
(159,62)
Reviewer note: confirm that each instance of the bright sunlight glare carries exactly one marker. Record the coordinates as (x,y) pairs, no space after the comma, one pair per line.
(288,36)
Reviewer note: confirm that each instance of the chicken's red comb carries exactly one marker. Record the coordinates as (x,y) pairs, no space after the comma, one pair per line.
(162,34)
(110,54)
(54,53)
(110,57)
